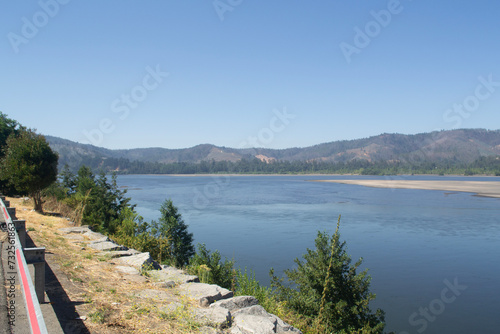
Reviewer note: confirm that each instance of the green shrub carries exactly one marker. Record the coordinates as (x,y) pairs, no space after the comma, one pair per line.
(210,268)
(327,288)
(247,285)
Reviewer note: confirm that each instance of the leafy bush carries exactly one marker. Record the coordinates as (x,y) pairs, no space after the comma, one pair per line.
(210,268)
(247,285)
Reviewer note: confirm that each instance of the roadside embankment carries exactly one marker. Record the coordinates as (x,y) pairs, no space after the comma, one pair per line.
(108,288)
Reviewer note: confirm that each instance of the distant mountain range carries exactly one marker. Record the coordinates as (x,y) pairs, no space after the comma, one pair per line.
(462,146)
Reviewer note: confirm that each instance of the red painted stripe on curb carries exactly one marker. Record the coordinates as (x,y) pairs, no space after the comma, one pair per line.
(35,327)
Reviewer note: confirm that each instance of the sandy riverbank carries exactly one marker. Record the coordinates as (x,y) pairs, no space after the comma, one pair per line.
(481,188)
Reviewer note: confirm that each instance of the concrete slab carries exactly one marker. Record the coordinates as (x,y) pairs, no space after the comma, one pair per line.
(106,246)
(203,292)
(127,270)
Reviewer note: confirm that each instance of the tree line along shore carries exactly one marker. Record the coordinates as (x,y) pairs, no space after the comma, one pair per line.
(482,166)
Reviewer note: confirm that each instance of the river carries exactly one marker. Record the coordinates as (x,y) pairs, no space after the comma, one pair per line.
(433,255)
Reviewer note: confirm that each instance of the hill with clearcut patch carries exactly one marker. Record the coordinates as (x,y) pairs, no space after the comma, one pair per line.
(462,146)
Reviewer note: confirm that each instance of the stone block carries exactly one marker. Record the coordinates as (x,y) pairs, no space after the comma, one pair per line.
(203,292)
(139,261)
(236,303)
(217,317)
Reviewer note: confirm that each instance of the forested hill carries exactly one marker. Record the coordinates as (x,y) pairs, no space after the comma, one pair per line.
(461,148)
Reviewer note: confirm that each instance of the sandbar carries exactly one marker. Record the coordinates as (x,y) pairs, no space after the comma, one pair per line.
(480,188)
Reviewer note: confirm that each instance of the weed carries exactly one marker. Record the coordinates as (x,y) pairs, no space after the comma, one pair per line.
(146,268)
(143,311)
(88,299)
(104,258)
(184,315)
(77,279)
(101,314)
(68,264)
(167,316)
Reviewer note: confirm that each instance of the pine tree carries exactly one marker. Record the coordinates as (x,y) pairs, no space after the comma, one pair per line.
(172,228)
(326,288)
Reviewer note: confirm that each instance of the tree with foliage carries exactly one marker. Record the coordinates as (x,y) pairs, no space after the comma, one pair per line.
(29,165)
(210,268)
(7,127)
(326,288)
(67,180)
(97,201)
(172,228)
(135,233)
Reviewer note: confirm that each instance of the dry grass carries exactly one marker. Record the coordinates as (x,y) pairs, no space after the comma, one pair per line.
(109,298)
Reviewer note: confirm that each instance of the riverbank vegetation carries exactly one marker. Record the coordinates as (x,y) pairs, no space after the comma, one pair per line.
(482,166)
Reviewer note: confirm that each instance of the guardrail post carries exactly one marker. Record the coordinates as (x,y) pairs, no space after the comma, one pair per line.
(21,231)
(12,213)
(36,256)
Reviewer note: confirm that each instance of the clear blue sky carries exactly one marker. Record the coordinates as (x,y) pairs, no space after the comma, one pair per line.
(73,67)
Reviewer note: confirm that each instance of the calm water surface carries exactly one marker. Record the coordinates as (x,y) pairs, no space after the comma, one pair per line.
(433,256)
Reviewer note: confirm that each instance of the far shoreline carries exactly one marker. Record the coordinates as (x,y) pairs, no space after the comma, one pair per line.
(242,174)
(479,188)
(312,174)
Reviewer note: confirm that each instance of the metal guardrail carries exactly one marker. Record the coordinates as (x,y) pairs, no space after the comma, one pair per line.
(33,295)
